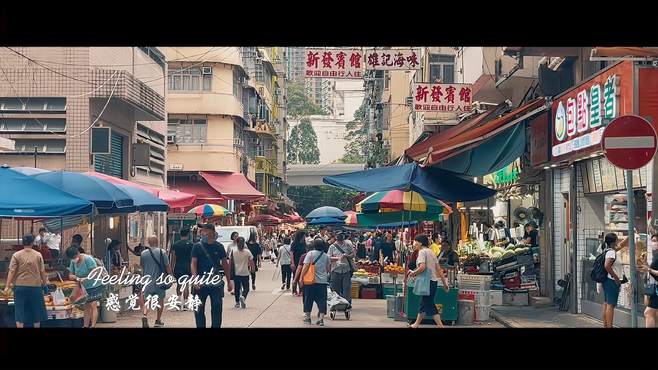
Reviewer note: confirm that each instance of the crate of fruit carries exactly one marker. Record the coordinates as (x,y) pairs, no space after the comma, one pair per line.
(474,282)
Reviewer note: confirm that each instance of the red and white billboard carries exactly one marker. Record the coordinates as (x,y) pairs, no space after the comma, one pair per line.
(453,98)
(392,59)
(334,63)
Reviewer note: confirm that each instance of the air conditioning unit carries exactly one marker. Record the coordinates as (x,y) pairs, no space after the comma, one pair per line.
(261,90)
(171,139)
(255,141)
(207,70)
(244,80)
(409,101)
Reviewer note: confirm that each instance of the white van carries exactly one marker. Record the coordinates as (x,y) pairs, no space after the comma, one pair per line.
(224,233)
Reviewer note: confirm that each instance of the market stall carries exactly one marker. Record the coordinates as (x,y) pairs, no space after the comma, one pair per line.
(24,199)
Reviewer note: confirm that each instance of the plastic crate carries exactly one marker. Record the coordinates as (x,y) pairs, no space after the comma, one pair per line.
(496,297)
(482,313)
(474,282)
(368,293)
(482,297)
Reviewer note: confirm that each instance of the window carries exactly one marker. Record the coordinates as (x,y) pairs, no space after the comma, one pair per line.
(189,79)
(32,125)
(387,78)
(43,146)
(188,131)
(237,87)
(33,104)
(154,54)
(442,68)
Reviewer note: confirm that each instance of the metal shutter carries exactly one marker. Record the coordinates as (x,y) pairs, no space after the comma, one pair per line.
(111,164)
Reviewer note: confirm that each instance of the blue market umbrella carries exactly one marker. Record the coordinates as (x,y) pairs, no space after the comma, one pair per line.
(430,181)
(143,200)
(24,196)
(326,221)
(326,211)
(108,198)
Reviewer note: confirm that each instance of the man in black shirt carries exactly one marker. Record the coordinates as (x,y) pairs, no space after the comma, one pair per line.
(387,250)
(180,261)
(209,255)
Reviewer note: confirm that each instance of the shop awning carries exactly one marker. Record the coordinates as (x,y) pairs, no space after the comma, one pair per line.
(480,146)
(201,189)
(175,199)
(232,185)
(624,52)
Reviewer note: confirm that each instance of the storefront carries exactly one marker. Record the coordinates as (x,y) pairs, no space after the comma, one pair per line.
(586,193)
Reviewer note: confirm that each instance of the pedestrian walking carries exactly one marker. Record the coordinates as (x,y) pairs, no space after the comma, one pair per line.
(256,251)
(181,259)
(298,249)
(243,262)
(651,293)
(154,263)
(27,275)
(342,266)
(314,279)
(612,285)
(427,275)
(285,259)
(209,256)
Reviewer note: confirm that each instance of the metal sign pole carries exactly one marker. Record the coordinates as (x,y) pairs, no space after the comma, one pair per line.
(630,200)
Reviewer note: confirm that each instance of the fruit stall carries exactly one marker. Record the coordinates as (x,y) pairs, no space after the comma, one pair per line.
(366,280)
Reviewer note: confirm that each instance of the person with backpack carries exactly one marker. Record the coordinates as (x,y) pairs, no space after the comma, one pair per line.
(154,263)
(208,254)
(314,281)
(608,271)
(285,259)
(342,266)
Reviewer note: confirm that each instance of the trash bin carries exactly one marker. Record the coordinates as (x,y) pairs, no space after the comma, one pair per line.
(390,306)
(466,312)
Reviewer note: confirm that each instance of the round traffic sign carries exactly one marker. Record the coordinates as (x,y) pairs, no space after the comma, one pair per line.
(629,142)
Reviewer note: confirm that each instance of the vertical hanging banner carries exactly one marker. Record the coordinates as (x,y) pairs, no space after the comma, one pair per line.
(442,97)
(334,63)
(392,59)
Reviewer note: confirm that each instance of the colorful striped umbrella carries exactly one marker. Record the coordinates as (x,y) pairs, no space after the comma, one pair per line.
(209,210)
(351,219)
(397,200)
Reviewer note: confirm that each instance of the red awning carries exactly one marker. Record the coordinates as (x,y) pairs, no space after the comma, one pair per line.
(466,135)
(204,192)
(232,185)
(175,199)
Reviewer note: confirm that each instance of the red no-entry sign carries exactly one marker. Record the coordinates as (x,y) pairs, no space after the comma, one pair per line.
(629,142)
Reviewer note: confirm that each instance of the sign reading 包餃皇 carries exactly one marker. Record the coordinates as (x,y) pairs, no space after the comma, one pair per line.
(334,63)
(581,114)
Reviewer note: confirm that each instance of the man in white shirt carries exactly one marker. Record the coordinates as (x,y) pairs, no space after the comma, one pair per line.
(49,240)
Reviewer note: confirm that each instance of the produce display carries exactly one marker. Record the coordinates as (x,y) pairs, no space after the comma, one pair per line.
(361,273)
(394,269)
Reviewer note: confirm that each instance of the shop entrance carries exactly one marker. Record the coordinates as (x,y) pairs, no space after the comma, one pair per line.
(565,265)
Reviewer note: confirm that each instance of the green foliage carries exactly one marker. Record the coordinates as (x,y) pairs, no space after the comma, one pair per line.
(303,144)
(299,104)
(308,198)
(359,149)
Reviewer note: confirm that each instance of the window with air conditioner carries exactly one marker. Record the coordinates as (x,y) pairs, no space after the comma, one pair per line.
(442,68)
(189,79)
(187,130)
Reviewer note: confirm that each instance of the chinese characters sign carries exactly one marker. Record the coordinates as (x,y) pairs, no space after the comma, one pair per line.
(581,114)
(334,63)
(446,98)
(387,59)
